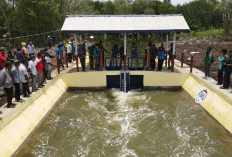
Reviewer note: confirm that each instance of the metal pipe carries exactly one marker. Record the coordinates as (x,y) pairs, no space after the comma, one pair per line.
(58,64)
(145,56)
(182,59)
(101,61)
(77,64)
(66,60)
(149,61)
(166,58)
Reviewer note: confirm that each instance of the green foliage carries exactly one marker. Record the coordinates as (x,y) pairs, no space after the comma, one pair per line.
(38,16)
(207,33)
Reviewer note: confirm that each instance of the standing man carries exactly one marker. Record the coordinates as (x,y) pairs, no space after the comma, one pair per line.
(39,68)
(170,52)
(91,53)
(48,63)
(6,81)
(31,48)
(58,54)
(49,41)
(16,78)
(161,58)
(69,52)
(3,58)
(208,62)
(73,51)
(134,53)
(9,54)
(32,68)
(23,44)
(81,54)
(121,52)
(24,77)
(228,68)
(96,56)
(153,51)
(53,38)
(102,50)
(222,58)
(19,53)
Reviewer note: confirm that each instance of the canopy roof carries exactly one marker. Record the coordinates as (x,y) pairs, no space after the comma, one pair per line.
(124,24)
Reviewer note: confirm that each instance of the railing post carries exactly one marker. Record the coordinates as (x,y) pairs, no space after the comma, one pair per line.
(66,60)
(103,57)
(101,61)
(145,56)
(124,62)
(166,60)
(191,66)
(173,62)
(182,59)
(77,63)
(149,61)
(58,64)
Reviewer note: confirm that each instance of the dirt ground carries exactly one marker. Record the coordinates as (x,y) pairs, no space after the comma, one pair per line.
(201,45)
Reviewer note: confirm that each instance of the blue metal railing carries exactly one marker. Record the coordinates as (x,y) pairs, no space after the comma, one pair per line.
(133,63)
(113,63)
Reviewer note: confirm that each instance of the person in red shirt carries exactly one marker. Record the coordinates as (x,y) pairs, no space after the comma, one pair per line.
(39,68)
(3,58)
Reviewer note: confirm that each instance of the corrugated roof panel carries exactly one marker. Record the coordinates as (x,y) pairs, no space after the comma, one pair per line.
(124,24)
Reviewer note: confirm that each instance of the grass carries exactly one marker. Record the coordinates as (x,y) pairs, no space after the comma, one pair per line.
(206,33)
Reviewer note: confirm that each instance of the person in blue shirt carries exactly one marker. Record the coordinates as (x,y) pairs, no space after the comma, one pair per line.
(58,54)
(134,53)
(96,56)
(62,46)
(16,79)
(53,38)
(114,55)
(161,57)
(222,58)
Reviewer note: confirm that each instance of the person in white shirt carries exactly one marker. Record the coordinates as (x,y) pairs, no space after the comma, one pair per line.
(69,52)
(31,48)
(32,68)
(48,64)
(23,75)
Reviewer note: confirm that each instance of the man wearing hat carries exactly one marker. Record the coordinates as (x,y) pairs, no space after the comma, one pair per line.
(16,79)
(3,58)
(208,60)
(6,81)
(9,54)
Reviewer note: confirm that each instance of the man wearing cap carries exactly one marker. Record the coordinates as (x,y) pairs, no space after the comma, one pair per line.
(6,81)
(49,41)
(9,54)
(3,58)
(16,79)
(208,60)
(69,52)
(31,48)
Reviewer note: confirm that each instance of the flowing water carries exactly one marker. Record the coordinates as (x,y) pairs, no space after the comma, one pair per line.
(140,123)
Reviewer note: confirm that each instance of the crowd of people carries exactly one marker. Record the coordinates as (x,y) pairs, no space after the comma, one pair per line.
(20,67)
(224,69)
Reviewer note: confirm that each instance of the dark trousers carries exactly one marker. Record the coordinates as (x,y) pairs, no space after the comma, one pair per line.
(160,64)
(70,57)
(91,62)
(207,70)
(61,63)
(9,94)
(170,61)
(226,83)
(26,90)
(97,63)
(17,91)
(83,63)
(220,76)
(153,64)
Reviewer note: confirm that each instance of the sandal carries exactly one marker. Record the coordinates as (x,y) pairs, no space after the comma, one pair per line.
(11,106)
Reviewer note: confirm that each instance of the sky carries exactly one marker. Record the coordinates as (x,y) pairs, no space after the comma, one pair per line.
(174,2)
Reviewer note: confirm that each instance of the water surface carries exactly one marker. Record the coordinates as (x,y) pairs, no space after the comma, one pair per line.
(139,123)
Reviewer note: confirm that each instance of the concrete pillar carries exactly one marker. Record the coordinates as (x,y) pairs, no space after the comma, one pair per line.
(75,35)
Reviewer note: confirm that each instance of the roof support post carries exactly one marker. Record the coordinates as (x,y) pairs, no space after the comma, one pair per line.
(124,52)
(173,50)
(75,35)
(166,59)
